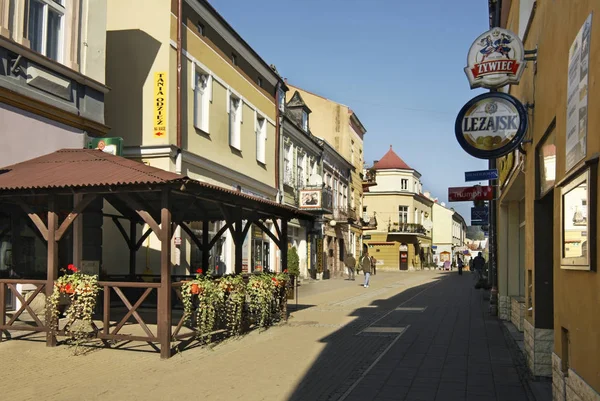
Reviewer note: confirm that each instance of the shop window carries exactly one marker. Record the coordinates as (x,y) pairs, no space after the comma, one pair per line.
(46,27)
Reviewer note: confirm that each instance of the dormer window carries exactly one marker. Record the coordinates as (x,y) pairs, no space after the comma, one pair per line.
(304,120)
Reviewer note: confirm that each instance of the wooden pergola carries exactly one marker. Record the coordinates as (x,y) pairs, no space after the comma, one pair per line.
(144,195)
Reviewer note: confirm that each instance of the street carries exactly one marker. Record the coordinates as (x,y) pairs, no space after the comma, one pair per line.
(409,336)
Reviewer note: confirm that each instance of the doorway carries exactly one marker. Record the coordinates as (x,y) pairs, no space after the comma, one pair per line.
(543,275)
(403,257)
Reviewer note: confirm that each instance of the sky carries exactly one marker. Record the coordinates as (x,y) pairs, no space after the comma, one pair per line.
(398,64)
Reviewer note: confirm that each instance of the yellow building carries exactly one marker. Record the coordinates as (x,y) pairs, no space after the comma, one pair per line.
(338,125)
(548,278)
(225,130)
(402,239)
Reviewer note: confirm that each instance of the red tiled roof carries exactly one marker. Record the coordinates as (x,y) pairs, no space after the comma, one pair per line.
(391,161)
(81,168)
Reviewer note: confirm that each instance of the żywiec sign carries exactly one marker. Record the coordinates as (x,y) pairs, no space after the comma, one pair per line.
(462,194)
(495,59)
(491,125)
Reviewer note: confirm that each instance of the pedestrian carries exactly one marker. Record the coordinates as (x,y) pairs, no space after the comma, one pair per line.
(365,264)
(460,265)
(374,265)
(478,264)
(350,265)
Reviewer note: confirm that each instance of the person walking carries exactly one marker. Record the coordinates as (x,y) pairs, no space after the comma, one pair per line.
(365,264)
(460,265)
(478,264)
(374,265)
(350,265)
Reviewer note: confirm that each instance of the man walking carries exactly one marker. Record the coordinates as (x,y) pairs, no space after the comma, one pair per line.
(460,265)
(350,264)
(365,263)
(478,264)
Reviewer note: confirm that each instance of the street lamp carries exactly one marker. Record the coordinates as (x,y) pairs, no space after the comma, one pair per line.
(332,223)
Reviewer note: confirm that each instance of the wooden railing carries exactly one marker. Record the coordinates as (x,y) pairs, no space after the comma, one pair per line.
(13,323)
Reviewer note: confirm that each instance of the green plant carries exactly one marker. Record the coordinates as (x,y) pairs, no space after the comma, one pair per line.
(81,290)
(209,297)
(261,292)
(293,262)
(234,294)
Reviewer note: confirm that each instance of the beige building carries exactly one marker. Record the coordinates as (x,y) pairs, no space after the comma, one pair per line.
(402,239)
(339,126)
(225,130)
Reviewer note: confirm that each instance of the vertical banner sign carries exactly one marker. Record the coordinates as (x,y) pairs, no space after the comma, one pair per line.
(160,104)
(577,95)
(319,254)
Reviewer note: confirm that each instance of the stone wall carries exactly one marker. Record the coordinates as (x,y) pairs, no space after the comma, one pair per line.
(570,387)
(539,344)
(517,312)
(504,307)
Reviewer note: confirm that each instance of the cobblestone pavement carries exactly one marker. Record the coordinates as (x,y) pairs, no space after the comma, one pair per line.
(409,336)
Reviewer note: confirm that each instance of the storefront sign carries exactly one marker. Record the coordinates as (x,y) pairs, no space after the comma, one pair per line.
(481,175)
(495,59)
(491,125)
(577,95)
(461,194)
(160,104)
(319,254)
(479,216)
(310,199)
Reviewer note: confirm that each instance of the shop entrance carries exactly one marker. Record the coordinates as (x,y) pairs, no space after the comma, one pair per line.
(403,257)
(261,251)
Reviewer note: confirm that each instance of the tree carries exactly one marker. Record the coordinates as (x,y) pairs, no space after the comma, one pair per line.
(293,262)
(475,233)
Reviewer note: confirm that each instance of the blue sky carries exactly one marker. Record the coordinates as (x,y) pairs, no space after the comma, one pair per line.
(397,63)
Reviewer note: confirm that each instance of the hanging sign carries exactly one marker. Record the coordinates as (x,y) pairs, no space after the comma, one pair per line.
(160,104)
(491,125)
(495,59)
(477,192)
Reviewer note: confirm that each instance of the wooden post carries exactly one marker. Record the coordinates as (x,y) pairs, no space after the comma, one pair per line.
(2,309)
(283,243)
(164,292)
(238,240)
(132,247)
(52,272)
(205,245)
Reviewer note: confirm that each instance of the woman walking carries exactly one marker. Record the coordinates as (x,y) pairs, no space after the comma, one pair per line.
(365,263)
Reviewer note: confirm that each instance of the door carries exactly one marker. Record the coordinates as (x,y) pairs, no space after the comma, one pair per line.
(403,260)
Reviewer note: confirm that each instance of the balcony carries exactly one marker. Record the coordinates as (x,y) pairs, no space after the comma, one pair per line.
(316,199)
(368,179)
(340,214)
(406,228)
(369,222)
(352,215)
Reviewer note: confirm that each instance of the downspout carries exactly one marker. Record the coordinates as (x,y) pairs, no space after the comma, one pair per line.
(179,52)
(278,142)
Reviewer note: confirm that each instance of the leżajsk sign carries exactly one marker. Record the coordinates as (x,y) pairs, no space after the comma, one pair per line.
(491,125)
(495,59)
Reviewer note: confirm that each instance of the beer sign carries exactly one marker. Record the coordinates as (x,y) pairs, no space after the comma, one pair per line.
(495,59)
(491,125)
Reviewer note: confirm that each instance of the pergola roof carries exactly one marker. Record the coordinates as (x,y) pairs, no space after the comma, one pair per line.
(71,171)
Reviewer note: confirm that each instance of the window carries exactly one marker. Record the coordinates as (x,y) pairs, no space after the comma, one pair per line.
(404,184)
(287,167)
(345,202)
(365,214)
(202,98)
(352,198)
(300,171)
(304,120)
(233,59)
(235,121)
(259,82)
(403,214)
(261,139)
(200,28)
(281,99)
(46,27)
(335,193)
(416,221)
(352,152)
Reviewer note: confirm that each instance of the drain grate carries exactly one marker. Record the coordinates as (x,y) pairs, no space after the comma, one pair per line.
(411,309)
(381,330)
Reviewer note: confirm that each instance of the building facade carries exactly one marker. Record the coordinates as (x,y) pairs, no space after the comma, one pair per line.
(549,196)
(402,239)
(340,126)
(52,89)
(224,132)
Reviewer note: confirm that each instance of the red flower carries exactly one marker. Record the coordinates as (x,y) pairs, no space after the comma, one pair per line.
(285,270)
(69,289)
(273,278)
(195,289)
(72,268)
(199,271)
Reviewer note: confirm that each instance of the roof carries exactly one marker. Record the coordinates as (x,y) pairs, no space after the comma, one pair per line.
(80,170)
(297,101)
(391,161)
